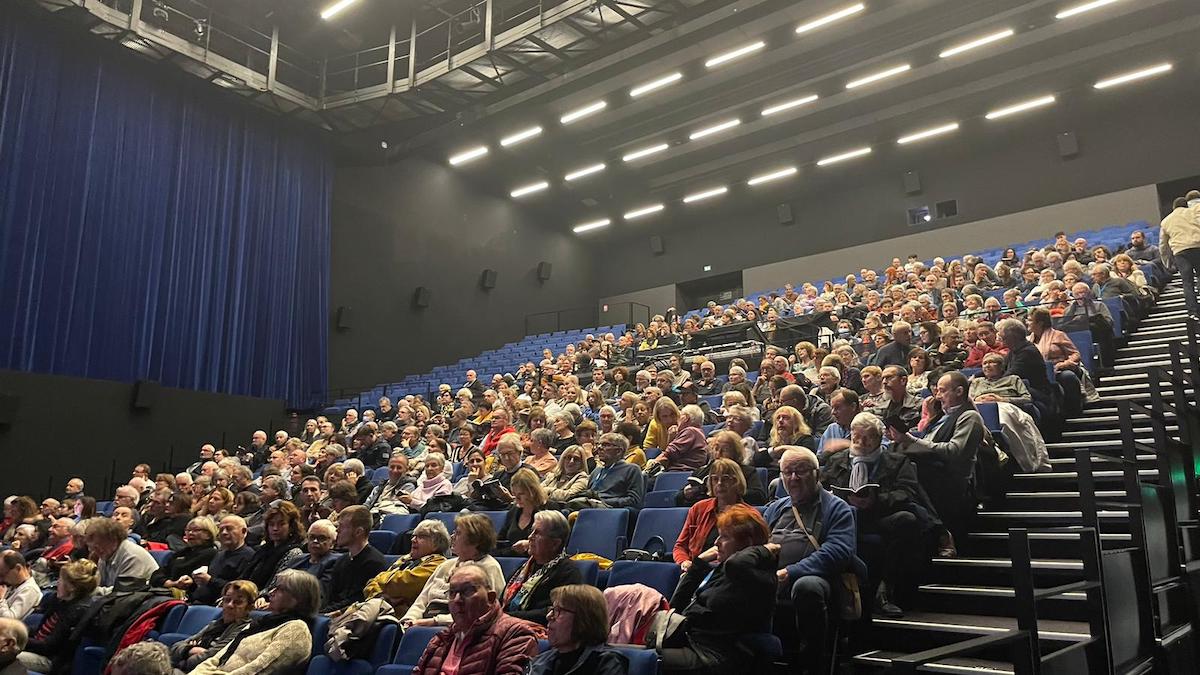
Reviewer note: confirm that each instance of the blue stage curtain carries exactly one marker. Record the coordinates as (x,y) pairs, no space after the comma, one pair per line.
(152,228)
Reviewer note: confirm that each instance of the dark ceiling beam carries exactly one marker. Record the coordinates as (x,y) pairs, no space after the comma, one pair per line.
(616,7)
(516,63)
(550,49)
(481,77)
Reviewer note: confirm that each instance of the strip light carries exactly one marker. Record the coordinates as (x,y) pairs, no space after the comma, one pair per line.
(520,136)
(585,171)
(1080,9)
(928,133)
(644,211)
(774,175)
(468,155)
(594,225)
(788,105)
(330,11)
(1135,75)
(655,84)
(735,54)
(638,154)
(529,189)
(985,40)
(714,129)
(707,194)
(580,113)
(844,156)
(1021,107)
(877,76)
(830,18)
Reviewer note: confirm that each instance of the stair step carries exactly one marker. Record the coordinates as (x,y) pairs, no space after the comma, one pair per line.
(1071,631)
(1069,494)
(880,658)
(989,591)
(1049,515)
(1093,433)
(1072,475)
(1051,536)
(1070,460)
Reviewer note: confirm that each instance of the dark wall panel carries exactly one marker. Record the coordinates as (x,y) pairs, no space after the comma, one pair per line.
(418,223)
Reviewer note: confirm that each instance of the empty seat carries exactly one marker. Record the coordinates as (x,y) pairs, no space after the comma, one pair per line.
(672,480)
(661,576)
(658,522)
(193,620)
(412,646)
(599,531)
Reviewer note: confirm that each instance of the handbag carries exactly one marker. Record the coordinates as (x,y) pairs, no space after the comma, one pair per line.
(850,597)
(658,554)
(666,626)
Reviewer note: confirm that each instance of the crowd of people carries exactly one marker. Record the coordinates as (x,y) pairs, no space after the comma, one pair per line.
(875,453)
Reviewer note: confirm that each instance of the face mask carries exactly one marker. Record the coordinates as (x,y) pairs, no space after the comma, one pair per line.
(1192,204)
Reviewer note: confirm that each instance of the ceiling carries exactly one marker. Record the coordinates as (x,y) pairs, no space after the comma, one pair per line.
(599,49)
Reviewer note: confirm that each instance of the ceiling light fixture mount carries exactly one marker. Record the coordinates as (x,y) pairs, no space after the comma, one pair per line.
(830,18)
(1021,107)
(1134,76)
(652,85)
(468,155)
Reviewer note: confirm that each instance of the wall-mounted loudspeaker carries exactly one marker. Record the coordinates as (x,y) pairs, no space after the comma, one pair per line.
(912,182)
(421,297)
(784,211)
(1068,144)
(8,408)
(343,317)
(145,392)
(488,279)
(656,245)
(543,271)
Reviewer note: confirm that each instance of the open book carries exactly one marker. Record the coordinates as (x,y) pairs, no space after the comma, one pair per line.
(864,490)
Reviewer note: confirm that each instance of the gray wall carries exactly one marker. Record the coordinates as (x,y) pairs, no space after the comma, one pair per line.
(418,223)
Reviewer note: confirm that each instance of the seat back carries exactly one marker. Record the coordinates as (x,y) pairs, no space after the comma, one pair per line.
(509,565)
(641,661)
(400,522)
(671,480)
(665,523)
(1082,340)
(382,540)
(661,576)
(599,531)
(412,646)
(990,412)
(194,619)
(162,557)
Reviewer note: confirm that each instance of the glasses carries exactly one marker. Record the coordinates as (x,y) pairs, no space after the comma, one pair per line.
(453,592)
(799,472)
(556,610)
(723,480)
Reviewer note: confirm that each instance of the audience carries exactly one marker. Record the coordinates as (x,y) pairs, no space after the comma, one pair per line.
(401,583)
(123,564)
(527,594)
(236,601)
(577,631)
(472,542)
(362,562)
(50,648)
(615,484)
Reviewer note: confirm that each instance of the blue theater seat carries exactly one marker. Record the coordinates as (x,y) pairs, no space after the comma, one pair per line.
(400,522)
(655,522)
(192,621)
(599,531)
(661,576)
(672,480)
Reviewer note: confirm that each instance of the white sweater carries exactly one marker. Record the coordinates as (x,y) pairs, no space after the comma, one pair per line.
(436,588)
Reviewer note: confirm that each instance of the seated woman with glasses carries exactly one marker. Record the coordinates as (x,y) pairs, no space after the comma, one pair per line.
(727,485)
(472,542)
(527,595)
(401,583)
(577,629)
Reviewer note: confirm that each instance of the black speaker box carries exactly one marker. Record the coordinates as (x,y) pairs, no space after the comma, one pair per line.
(421,297)
(8,408)
(344,316)
(784,211)
(488,279)
(656,245)
(543,271)
(145,392)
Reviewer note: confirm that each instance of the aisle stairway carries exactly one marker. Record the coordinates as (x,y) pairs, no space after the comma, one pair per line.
(972,595)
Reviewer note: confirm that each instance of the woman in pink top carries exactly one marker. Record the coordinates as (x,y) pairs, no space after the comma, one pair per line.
(433,484)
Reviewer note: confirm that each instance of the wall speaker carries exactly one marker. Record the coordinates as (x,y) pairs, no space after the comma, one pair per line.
(488,279)
(145,392)
(784,211)
(344,317)
(543,271)
(421,297)
(656,245)
(8,408)
(912,182)
(1068,144)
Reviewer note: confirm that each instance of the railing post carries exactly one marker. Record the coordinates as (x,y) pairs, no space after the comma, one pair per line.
(391,66)
(273,64)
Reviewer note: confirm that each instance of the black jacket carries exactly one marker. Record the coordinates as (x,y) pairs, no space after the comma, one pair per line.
(738,599)
(895,474)
(57,644)
(563,574)
(1026,362)
(184,562)
(892,354)
(349,576)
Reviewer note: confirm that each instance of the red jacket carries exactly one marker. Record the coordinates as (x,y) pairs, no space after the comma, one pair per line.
(493,439)
(975,356)
(497,644)
(701,519)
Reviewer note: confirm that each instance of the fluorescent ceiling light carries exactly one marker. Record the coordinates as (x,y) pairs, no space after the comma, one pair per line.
(1080,9)
(468,155)
(520,136)
(594,225)
(656,84)
(638,154)
(585,171)
(774,175)
(1021,107)
(1135,75)
(985,40)
(788,105)
(830,18)
(529,189)
(877,76)
(707,194)
(336,7)
(844,156)
(716,128)
(928,133)
(644,211)
(735,54)
(580,113)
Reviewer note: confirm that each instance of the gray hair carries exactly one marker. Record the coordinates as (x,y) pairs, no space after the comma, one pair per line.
(390,426)
(485,579)
(436,530)
(609,408)
(325,525)
(436,430)
(335,450)
(244,472)
(143,658)
(19,633)
(354,465)
(543,437)
(694,413)
(565,416)
(302,586)
(1102,267)
(1012,327)
(830,369)
(279,483)
(737,369)
(555,523)
(865,421)
(615,439)
(740,412)
(795,453)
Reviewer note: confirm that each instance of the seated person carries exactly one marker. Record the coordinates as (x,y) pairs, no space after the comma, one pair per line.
(725,444)
(528,499)
(634,455)
(945,457)
(686,449)
(167,516)
(1026,362)
(284,545)
(845,404)
(728,592)
(21,594)
(199,547)
(279,642)
(231,557)
(615,484)
(994,386)
(236,601)
(401,583)
(508,453)
(788,428)
(726,485)
(527,593)
(123,564)
(473,541)
(568,479)
(50,648)
(987,343)
(899,401)
(361,563)
(480,633)
(308,498)
(889,510)
(433,483)
(57,551)
(818,542)
(577,628)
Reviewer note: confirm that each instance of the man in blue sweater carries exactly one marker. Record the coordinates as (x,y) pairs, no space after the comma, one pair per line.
(809,574)
(615,484)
